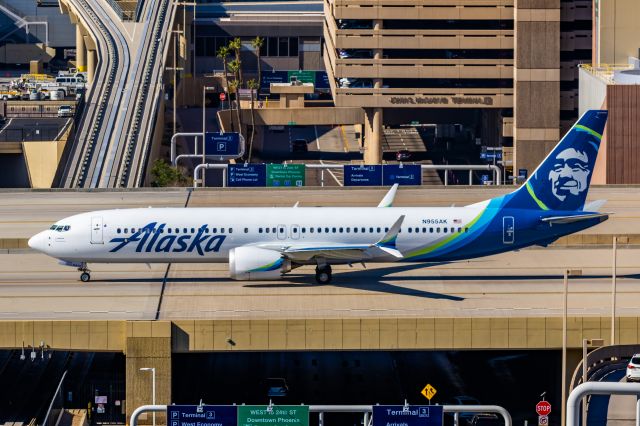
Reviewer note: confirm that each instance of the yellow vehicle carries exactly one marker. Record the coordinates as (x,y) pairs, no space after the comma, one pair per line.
(38,77)
(5,95)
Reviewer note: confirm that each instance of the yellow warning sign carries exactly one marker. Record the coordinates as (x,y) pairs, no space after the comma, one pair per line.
(429,392)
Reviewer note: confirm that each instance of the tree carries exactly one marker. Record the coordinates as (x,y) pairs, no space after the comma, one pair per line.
(236,46)
(223,53)
(257,44)
(252,85)
(164,175)
(234,87)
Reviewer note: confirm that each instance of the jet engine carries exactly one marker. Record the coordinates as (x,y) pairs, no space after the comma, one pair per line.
(255,263)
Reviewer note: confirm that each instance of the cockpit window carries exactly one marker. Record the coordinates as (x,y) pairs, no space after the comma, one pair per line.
(60,228)
(67,227)
(53,227)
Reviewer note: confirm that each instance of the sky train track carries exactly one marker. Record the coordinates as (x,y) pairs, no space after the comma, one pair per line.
(117,125)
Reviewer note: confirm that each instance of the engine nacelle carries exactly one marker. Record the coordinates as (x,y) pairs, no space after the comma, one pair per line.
(255,263)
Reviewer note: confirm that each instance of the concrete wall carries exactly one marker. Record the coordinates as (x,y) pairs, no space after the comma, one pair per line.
(618,30)
(61,31)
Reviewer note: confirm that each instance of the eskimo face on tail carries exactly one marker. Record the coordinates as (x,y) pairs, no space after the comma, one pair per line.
(570,174)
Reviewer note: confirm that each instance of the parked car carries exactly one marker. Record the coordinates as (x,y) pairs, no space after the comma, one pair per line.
(633,369)
(355,53)
(299,145)
(65,111)
(403,155)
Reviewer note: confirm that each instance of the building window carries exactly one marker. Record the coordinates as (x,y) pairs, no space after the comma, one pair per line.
(273,46)
(293,46)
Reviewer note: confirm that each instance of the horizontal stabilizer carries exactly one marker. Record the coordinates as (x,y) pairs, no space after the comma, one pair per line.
(594,206)
(575,218)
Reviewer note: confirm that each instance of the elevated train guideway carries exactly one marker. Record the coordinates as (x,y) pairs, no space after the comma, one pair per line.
(509,301)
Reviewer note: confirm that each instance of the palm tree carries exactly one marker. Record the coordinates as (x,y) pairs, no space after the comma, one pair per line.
(223,53)
(252,85)
(235,88)
(257,44)
(236,46)
(234,85)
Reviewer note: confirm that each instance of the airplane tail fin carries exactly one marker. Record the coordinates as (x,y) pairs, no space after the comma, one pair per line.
(561,181)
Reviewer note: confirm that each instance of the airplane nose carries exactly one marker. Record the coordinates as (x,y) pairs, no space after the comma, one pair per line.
(38,241)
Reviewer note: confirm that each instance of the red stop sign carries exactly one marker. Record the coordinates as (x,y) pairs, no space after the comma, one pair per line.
(223,96)
(543,408)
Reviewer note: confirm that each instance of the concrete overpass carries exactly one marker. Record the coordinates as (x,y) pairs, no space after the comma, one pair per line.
(508,301)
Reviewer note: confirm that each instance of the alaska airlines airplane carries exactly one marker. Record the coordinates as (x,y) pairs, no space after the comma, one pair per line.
(266,243)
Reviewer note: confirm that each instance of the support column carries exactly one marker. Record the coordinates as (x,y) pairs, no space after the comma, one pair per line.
(377,55)
(91,65)
(148,346)
(80,49)
(536,81)
(373,136)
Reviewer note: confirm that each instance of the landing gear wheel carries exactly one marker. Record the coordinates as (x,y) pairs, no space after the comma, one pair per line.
(323,275)
(85,277)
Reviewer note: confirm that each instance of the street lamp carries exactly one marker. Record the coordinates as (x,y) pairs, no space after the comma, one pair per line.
(594,343)
(153,388)
(204,126)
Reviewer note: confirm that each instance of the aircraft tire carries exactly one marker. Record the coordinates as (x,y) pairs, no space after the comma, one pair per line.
(323,275)
(85,277)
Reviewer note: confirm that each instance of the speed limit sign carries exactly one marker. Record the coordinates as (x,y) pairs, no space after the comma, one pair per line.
(543,420)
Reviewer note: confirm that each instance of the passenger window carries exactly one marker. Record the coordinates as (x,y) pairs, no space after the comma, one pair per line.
(410,230)
(222,230)
(193,230)
(266,230)
(259,230)
(379,230)
(355,230)
(184,230)
(431,230)
(424,230)
(231,230)
(371,230)
(341,230)
(273,230)
(246,230)
(333,230)
(363,230)
(326,230)
(311,230)
(438,229)
(453,230)
(304,230)
(386,229)
(133,230)
(118,230)
(466,229)
(282,230)
(459,229)
(126,230)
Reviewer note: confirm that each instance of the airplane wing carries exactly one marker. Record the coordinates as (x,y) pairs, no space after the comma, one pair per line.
(349,252)
(387,201)
(574,218)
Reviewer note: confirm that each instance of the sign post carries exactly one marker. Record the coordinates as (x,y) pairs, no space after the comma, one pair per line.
(543,408)
(429,392)
(285,175)
(275,415)
(409,415)
(203,415)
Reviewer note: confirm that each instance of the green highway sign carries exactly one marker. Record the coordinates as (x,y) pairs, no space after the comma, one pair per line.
(274,415)
(303,76)
(285,174)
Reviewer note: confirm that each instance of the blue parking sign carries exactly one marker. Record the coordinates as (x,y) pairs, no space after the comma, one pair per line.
(409,415)
(202,415)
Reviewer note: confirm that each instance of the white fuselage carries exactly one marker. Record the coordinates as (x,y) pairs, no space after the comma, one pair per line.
(208,234)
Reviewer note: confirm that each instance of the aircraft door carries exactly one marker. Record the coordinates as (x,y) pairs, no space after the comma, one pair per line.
(96,230)
(508,230)
(295,232)
(282,232)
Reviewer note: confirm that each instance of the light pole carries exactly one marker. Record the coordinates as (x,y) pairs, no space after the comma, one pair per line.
(596,343)
(204,126)
(567,274)
(153,388)
(613,291)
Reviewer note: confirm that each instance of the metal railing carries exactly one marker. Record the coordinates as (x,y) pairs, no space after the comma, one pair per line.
(366,411)
(599,388)
(445,167)
(54,413)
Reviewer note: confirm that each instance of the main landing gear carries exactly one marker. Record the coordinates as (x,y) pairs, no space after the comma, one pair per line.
(84,276)
(323,274)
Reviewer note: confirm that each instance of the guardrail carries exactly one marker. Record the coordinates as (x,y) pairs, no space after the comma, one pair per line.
(52,418)
(366,410)
(445,167)
(598,388)
(602,357)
